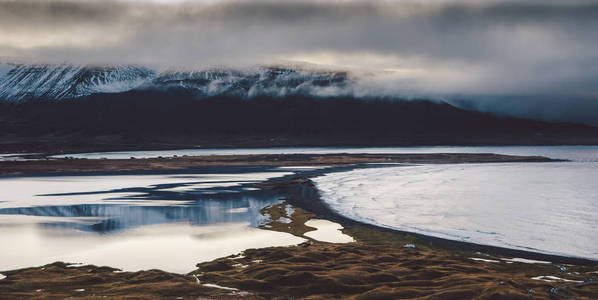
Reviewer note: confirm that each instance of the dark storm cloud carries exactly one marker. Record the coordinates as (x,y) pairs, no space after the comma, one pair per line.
(441,31)
(526,50)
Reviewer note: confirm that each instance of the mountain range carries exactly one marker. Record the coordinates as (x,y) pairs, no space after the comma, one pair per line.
(54,108)
(21,82)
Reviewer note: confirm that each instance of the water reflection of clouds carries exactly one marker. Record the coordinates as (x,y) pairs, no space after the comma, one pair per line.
(173,247)
(115,217)
(216,199)
(134,222)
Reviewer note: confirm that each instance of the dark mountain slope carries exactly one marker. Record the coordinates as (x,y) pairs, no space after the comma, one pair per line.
(175,118)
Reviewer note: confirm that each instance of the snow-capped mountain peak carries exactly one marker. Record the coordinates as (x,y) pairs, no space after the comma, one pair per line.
(20,81)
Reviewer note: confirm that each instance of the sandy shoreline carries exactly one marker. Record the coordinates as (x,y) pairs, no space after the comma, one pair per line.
(376,266)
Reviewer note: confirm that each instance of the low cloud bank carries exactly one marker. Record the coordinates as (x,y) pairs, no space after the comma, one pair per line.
(529,58)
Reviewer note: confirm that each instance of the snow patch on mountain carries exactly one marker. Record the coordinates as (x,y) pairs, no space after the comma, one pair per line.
(19,82)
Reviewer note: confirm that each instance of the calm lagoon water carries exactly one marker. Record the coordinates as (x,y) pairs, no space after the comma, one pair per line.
(134,222)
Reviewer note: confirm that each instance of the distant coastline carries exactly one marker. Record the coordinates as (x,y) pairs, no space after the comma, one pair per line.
(170,164)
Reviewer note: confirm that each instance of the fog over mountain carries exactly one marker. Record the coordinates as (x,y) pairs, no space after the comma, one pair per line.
(524,58)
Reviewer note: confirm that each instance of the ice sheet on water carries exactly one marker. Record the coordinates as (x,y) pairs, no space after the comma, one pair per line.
(546,207)
(70,190)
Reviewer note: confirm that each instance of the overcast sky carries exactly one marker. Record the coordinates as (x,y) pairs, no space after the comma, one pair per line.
(536,58)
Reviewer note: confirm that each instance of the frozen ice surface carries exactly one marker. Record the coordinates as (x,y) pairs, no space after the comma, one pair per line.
(544,207)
